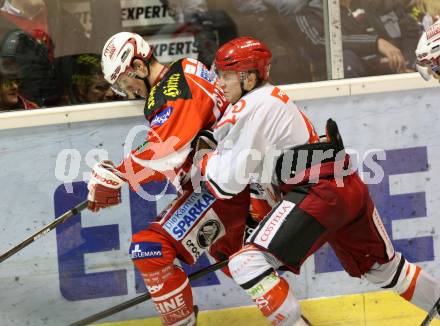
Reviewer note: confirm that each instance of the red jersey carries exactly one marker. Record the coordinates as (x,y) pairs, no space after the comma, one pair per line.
(182,103)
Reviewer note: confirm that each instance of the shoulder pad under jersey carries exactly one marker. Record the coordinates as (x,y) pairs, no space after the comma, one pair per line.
(171,87)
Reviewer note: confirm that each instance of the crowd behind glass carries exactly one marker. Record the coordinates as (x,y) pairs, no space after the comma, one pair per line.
(50,49)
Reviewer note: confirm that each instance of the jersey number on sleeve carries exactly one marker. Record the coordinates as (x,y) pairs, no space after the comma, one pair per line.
(278,93)
(237,108)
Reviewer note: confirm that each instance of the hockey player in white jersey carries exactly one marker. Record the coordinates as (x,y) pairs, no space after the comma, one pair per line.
(248,143)
(255,105)
(261,140)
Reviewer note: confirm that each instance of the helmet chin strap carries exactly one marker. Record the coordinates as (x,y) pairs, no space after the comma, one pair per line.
(158,78)
(242,77)
(145,79)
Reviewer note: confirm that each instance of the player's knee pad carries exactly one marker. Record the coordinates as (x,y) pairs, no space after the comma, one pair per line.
(276,300)
(253,270)
(383,274)
(249,265)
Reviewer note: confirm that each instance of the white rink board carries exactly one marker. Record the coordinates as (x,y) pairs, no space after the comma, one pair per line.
(35,286)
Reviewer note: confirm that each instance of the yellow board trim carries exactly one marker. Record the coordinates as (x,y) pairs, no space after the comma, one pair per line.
(368,309)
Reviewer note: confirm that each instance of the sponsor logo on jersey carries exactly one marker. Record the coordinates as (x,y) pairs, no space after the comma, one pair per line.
(162,117)
(270,228)
(206,235)
(151,97)
(261,302)
(155,288)
(193,248)
(171,86)
(188,214)
(140,250)
(205,74)
(175,310)
(174,303)
(208,232)
(263,286)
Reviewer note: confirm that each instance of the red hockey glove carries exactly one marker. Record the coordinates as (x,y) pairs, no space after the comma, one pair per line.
(104,186)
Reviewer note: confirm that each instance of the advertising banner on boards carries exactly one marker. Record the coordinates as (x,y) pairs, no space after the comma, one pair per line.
(83,266)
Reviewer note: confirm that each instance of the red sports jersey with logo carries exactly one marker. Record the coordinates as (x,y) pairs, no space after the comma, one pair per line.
(182,103)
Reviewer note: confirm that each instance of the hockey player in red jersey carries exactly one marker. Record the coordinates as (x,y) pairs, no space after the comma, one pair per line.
(182,99)
(428,56)
(323,200)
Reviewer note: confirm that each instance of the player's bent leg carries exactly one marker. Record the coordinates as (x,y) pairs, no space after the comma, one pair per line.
(153,255)
(254,271)
(407,279)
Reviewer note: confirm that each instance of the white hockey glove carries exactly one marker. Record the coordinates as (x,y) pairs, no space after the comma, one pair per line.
(104,186)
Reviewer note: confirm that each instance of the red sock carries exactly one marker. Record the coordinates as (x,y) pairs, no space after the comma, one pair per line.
(173,299)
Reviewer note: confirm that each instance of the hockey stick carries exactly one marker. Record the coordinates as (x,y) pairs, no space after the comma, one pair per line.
(78,208)
(434,310)
(144,297)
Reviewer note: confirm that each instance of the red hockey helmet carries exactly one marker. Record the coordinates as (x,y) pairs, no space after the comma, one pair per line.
(244,54)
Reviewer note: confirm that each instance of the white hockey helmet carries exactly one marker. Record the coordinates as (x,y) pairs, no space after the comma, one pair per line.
(428,52)
(119,52)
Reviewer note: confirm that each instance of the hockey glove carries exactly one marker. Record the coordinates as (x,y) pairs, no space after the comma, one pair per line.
(203,144)
(204,140)
(104,186)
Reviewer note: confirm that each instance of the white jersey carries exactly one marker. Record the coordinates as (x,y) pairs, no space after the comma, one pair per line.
(251,135)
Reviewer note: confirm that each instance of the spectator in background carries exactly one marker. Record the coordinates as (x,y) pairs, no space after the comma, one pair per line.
(378,37)
(87,83)
(426,12)
(287,7)
(58,30)
(266,21)
(10,97)
(210,28)
(31,17)
(35,70)
(36,34)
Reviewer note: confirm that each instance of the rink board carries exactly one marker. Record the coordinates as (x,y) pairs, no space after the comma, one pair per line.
(83,267)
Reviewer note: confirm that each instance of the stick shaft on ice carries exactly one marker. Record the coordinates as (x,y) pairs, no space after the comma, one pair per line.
(37,235)
(144,297)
